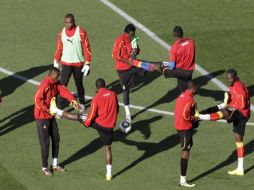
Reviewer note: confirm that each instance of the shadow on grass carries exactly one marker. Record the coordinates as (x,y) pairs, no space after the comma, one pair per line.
(17,119)
(10,83)
(231,158)
(174,93)
(150,149)
(139,82)
(96,144)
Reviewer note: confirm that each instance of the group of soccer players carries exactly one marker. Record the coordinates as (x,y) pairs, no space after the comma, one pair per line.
(73,55)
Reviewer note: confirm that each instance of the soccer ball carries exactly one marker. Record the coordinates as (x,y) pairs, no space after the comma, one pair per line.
(82,118)
(125,126)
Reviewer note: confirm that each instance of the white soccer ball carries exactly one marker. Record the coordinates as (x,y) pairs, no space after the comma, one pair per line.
(82,118)
(125,126)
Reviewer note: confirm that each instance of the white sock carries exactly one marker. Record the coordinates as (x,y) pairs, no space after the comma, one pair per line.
(59,112)
(221,106)
(127,110)
(43,168)
(182,179)
(54,162)
(109,170)
(240,164)
(204,117)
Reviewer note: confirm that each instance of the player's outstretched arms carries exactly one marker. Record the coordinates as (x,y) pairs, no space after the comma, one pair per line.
(70,116)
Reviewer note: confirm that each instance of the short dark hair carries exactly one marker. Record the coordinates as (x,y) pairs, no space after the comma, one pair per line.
(178,31)
(69,15)
(190,84)
(232,72)
(100,83)
(129,28)
(54,70)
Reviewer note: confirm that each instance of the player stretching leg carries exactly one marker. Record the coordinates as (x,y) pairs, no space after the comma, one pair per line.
(236,110)
(102,116)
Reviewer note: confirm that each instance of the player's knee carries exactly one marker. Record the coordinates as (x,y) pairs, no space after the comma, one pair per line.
(185,154)
(44,147)
(107,147)
(225,114)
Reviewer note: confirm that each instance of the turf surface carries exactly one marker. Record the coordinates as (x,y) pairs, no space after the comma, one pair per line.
(148,157)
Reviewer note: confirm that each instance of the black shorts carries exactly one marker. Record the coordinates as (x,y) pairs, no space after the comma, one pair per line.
(183,76)
(238,120)
(127,77)
(185,139)
(106,134)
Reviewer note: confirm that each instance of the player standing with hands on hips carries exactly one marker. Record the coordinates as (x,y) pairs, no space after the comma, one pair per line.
(73,55)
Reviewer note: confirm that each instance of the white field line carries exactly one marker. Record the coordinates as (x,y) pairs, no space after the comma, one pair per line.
(87,97)
(161,42)
(34,82)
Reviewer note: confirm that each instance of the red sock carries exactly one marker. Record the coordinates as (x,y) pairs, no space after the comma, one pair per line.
(215,116)
(240,152)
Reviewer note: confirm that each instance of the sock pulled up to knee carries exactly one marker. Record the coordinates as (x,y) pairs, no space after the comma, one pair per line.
(211,117)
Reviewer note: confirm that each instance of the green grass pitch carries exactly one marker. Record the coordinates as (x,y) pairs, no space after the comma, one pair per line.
(148,157)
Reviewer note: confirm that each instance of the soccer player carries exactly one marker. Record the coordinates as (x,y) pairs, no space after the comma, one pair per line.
(46,123)
(181,63)
(73,55)
(102,116)
(184,119)
(235,109)
(123,53)
(182,59)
